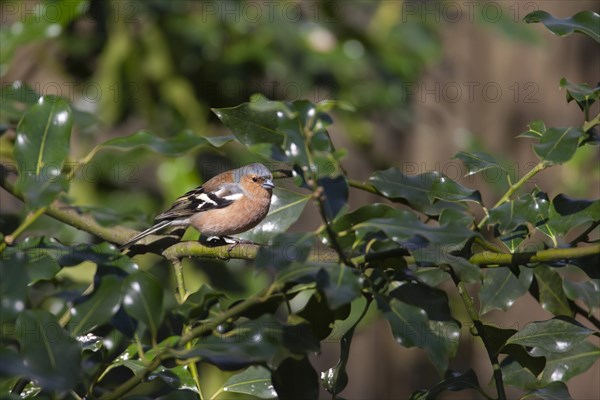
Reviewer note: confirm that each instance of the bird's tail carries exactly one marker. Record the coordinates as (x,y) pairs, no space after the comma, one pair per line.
(155,228)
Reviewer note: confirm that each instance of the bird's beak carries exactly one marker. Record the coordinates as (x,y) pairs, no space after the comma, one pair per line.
(268,184)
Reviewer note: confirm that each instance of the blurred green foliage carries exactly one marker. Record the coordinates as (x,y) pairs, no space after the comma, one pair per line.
(157,84)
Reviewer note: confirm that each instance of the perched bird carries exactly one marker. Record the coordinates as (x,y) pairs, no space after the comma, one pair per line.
(229,203)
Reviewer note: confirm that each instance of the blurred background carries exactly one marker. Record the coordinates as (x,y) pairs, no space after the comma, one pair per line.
(427,78)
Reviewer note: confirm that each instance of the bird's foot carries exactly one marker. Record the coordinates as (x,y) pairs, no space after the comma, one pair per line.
(235,241)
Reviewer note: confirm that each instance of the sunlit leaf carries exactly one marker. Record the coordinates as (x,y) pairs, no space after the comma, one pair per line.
(286,208)
(412,190)
(551,294)
(41,148)
(96,309)
(335,379)
(588,292)
(254,381)
(411,327)
(558,145)
(501,288)
(552,336)
(446,189)
(563,365)
(477,162)
(536,130)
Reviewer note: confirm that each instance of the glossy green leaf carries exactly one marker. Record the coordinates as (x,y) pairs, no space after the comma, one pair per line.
(198,304)
(516,375)
(558,145)
(453,381)
(411,327)
(431,276)
(467,272)
(286,208)
(588,292)
(50,355)
(285,249)
(536,130)
(567,213)
(553,391)
(586,22)
(335,195)
(181,143)
(13,287)
(583,95)
(564,365)
(552,336)
(501,288)
(515,218)
(98,308)
(41,148)
(444,188)
(41,268)
(252,342)
(48,20)
(105,255)
(321,319)
(344,223)
(15,98)
(477,162)
(178,377)
(252,125)
(143,299)
(412,190)
(335,379)
(450,217)
(551,294)
(433,301)
(402,226)
(254,381)
(340,284)
(296,379)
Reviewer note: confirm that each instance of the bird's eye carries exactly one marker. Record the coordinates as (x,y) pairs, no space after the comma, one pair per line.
(254,179)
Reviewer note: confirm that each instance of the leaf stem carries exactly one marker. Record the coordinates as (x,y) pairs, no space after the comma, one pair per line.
(593,122)
(513,188)
(478,325)
(367,187)
(29,219)
(181,297)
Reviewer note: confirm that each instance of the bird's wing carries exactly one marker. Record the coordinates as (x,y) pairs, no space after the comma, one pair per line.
(194,201)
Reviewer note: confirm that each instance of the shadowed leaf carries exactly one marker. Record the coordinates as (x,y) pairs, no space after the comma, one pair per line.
(586,22)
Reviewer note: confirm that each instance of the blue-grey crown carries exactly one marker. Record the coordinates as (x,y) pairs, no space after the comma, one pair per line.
(253,169)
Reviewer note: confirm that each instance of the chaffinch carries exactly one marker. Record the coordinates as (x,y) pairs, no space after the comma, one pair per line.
(229,203)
